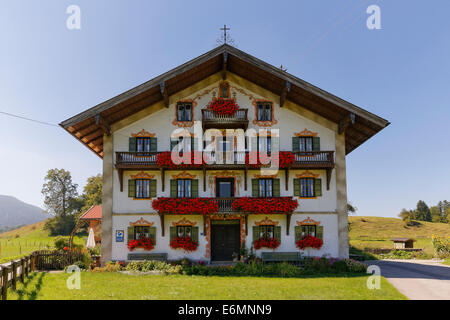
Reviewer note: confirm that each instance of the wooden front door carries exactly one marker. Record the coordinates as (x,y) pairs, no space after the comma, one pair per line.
(225,240)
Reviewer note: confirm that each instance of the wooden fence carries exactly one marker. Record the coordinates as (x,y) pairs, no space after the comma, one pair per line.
(38,260)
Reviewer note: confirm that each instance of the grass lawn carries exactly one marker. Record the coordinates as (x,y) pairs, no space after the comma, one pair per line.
(447,261)
(377,232)
(22,241)
(178,287)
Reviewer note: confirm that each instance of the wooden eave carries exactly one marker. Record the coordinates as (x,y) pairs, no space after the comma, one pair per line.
(88,131)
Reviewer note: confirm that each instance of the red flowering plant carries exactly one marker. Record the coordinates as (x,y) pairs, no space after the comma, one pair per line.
(281,160)
(143,242)
(265,205)
(164,160)
(271,243)
(185,243)
(224,107)
(309,242)
(202,206)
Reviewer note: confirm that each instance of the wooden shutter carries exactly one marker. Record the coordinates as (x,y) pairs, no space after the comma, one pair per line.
(297,187)
(276,188)
(131,188)
(295,144)
(194,188)
(256,232)
(132,145)
(173,188)
(153,188)
(173,233)
(298,233)
(316,143)
(152,234)
(255,188)
(195,234)
(277,233)
(319,232)
(317,187)
(130,233)
(153,144)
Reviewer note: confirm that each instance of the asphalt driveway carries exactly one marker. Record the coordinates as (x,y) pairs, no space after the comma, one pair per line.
(417,279)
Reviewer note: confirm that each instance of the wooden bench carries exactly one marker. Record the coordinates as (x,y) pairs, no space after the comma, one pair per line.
(147,256)
(294,257)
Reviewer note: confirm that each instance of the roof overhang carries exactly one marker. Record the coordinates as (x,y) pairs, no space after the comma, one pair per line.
(90,126)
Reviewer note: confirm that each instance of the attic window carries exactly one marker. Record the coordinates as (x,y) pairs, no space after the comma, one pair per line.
(264,111)
(184,111)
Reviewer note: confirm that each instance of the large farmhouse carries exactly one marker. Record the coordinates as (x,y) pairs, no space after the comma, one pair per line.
(222,152)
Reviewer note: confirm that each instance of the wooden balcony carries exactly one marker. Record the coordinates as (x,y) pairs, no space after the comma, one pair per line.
(313,159)
(213,120)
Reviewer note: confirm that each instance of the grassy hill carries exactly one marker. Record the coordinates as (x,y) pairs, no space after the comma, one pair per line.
(377,232)
(25,240)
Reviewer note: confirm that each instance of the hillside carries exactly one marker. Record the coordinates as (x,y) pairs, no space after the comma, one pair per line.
(377,232)
(14,212)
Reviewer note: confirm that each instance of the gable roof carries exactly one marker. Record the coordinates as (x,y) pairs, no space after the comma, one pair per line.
(88,126)
(94,212)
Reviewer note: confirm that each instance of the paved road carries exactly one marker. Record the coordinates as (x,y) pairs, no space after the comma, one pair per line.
(417,279)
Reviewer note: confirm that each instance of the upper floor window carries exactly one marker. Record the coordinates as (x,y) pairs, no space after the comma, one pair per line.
(264,144)
(305,144)
(143,144)
(184,111)
(264,111)
(142,189)
(224,91)
(184,188)
(307,188)
(265,188)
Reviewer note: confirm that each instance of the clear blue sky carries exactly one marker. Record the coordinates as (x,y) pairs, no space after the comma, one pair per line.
(401,72)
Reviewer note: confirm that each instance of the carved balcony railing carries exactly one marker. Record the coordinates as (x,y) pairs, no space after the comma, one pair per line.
(313,159)
(211,119)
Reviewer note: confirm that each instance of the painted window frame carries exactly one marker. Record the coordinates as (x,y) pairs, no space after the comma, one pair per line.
(267,111)
(183,118)
(307,188)
(183,193)
(143,181)
(264,183)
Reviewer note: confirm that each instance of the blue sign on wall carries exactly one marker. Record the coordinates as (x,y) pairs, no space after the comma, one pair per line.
(119,235)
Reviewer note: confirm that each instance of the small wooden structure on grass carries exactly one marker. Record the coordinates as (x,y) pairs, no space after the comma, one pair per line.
(403,243)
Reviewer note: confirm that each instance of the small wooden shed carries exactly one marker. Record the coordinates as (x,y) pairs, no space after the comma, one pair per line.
(403,243)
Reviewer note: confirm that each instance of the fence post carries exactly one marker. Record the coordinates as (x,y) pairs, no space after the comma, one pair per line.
(27,265)
(14,275)
(5,282)
(22,270)
(33,262)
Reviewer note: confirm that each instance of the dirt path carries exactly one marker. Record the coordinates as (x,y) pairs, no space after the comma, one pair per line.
(417,279)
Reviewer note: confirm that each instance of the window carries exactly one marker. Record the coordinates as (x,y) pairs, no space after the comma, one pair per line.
(182,144)
(143,144)
(141,232)
(224,90)
(307,188)
(266,232)
(309,231)
(184,232)
(264,111)
(265,144)
(306,143)
(184,112)
(265,188)
(184,189)
(142,189)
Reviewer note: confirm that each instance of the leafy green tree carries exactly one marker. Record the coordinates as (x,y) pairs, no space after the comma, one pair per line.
(406,216)
(92,193)
(351,209)
(422,212)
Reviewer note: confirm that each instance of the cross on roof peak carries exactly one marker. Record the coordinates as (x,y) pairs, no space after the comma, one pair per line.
(225,29)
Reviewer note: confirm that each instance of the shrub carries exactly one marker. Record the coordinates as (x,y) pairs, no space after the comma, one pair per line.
(441,246)
(80,264)
(110,267)
(153,265)
(355,266)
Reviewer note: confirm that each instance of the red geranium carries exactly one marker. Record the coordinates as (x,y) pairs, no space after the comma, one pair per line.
(265,205)
(224,107)
(203,206)
(164,159)
(309,242)
(281,160)
(143,242)
(185,243)
(271,243)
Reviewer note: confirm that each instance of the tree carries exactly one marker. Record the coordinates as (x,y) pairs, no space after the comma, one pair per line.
(92,193)
(351,209)
(406,216)
(422,212)
(60,200)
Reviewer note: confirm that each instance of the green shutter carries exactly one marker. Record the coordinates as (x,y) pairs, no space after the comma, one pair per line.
(132,145)
(276,188)
(316,143)
(195,234)
(152,234)
(255,187)
(277,233)
(130,232)
(173,233)
(255,233)
(153,144)
(131,188)
(295,144)
(153,188)
(297,187)
(317,187)
(319,232)
(298,233)
(173,188)
(194,191)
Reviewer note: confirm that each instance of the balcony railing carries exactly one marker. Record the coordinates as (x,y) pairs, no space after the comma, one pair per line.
(211,119)
(311,159)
